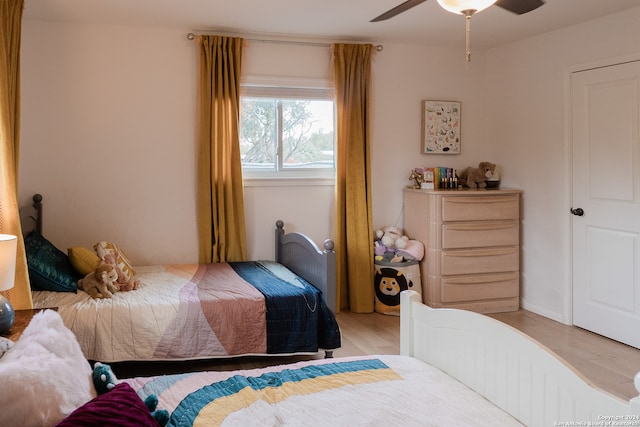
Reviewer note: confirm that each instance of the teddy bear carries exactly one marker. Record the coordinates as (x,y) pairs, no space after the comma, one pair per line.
(124,283)
(105,380)
(475,177)
(100,283)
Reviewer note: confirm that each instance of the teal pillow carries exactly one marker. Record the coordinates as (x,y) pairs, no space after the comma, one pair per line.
(49,268)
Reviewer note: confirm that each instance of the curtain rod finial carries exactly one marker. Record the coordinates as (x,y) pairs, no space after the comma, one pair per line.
(191,36)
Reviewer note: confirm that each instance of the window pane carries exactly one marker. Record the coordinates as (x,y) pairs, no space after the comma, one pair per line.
(288,131)
(258,134)
(307,134)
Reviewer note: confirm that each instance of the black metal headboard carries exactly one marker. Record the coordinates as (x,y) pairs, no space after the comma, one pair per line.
(31,216)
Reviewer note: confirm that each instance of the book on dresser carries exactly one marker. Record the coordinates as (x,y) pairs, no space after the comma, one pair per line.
(472,246)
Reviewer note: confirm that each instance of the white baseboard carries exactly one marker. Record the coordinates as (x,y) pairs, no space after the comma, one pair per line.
(558,317)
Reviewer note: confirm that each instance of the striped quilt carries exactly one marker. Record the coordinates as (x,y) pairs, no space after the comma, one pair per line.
(371,391)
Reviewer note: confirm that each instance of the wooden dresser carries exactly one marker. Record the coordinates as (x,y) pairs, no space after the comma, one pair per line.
(472,247)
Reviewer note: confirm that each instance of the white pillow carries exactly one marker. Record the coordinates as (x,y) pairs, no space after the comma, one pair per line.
(44,376)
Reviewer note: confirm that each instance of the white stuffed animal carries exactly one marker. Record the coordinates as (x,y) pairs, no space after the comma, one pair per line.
(392,238)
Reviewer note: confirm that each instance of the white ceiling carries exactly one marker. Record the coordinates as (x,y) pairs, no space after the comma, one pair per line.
(345,20)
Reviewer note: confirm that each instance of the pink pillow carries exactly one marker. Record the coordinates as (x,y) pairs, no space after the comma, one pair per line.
(120,406)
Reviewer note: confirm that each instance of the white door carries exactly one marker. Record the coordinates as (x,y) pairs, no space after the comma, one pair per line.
(606,201)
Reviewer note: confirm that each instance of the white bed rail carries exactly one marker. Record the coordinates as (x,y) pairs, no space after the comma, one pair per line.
(510,369)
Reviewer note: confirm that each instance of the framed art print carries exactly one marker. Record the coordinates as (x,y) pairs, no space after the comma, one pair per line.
(441,127)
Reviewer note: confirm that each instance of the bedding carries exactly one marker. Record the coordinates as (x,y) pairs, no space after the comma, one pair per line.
(456,368)
(356,391)
(196,311)
(369,390)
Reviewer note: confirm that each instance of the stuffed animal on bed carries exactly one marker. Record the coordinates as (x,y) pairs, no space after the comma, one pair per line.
(105,380)
(100,283)
(476,177)
(124,283)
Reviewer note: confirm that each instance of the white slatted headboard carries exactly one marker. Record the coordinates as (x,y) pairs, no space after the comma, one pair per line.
(510,369)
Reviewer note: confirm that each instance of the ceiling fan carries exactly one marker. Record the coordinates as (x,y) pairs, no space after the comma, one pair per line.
(519,7)
(467,8)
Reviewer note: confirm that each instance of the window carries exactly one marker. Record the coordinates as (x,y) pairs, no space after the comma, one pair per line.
(287,132)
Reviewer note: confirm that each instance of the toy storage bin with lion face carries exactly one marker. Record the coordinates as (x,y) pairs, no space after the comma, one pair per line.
(391,278)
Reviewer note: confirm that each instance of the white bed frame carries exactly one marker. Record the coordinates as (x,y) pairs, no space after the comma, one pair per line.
(510,369)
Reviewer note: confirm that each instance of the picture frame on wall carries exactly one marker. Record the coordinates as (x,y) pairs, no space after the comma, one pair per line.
(441,125)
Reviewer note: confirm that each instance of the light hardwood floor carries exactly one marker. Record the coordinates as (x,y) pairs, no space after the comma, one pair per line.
(605,363)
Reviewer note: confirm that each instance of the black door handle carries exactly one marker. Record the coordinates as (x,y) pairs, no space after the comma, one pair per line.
(577,211)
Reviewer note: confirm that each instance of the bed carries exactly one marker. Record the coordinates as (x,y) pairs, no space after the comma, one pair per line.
(194,311)
(456,368)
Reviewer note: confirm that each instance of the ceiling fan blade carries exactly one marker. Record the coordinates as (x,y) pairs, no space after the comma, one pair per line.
(398,10)
(519,7)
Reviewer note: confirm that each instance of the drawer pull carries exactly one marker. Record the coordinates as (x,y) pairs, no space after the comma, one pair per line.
(480,279)
(480,200)
(480,252)
(479,227)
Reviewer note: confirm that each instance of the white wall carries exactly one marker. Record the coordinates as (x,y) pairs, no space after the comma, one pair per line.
(528,122)
(92,93)
(404,76)
(108,137)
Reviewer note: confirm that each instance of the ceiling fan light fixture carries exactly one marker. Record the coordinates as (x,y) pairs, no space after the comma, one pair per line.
(467,8)
(462,7)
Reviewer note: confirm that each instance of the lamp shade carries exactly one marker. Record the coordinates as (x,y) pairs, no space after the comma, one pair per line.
(458,6)
(8,247)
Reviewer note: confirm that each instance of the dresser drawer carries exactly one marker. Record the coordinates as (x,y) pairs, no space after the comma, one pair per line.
(485,287)
(480,234)
(479,208)
(472,261)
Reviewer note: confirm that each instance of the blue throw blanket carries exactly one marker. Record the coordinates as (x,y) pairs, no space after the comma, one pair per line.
(298,319)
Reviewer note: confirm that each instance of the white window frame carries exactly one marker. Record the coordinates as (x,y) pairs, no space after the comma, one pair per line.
(291,89)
